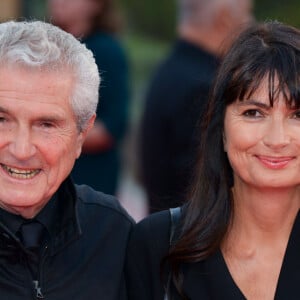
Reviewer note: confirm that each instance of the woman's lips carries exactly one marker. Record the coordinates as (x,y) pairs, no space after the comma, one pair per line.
(274,162)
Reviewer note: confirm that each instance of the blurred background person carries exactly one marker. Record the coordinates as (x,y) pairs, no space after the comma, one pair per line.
(96,23)
(178,93)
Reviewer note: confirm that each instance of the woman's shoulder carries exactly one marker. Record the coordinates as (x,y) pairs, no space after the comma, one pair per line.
(147,247)
(153,231)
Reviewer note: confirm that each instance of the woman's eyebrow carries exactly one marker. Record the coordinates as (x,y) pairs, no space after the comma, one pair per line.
(255,103)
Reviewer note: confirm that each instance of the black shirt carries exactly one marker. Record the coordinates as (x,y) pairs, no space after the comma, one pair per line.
(48,216)
(85,254)
(11,221)
(206,280)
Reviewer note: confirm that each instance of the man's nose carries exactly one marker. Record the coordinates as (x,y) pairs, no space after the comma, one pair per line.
(21,144)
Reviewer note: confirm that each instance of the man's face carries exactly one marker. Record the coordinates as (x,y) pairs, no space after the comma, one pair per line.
(39,140)
(243,14)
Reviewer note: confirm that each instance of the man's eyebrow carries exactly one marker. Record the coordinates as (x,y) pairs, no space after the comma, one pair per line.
(54,117)
(46,117)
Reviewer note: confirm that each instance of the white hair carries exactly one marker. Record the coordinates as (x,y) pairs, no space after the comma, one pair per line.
(37,44)
(202,11)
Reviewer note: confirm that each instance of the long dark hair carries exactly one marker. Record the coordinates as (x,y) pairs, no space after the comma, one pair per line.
(265,50)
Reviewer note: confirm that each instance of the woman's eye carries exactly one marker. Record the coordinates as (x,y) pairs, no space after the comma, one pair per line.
(252,113)
(296,114)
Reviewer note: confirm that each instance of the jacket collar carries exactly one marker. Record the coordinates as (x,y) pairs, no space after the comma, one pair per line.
(63,226)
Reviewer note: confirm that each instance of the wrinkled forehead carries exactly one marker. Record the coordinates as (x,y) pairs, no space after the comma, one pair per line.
(59,70)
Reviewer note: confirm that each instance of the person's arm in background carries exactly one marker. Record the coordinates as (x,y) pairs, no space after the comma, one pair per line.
(99,139)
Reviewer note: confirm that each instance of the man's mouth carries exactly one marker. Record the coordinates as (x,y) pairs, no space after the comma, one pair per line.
(20,173)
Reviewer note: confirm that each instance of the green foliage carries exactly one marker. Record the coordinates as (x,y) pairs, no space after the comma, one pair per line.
(35,9)
(156,18)
(144,56)
(286,11)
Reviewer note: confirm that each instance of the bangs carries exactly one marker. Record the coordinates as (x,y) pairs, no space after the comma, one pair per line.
(267,60)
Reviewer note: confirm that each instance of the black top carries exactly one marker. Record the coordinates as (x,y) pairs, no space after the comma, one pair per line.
(84,256)
(168,135)
(207,280)
(47,216)
(38,235)
(11,221)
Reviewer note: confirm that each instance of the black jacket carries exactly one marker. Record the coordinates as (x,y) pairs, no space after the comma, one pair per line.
(84,257)
(169,136)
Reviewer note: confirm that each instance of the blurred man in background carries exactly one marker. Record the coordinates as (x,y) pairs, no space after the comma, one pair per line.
(178,93)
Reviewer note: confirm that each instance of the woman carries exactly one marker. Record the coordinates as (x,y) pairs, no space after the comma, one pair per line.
(96,23)
(238,235)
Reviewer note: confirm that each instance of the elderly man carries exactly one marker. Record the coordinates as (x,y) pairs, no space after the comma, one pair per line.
(57,240)
(178,94)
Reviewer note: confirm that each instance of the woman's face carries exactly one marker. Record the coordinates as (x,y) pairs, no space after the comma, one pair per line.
(65,12)
(263,142)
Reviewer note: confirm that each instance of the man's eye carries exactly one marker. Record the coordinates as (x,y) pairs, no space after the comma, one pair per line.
(252,113)
(3,119)
(47,125)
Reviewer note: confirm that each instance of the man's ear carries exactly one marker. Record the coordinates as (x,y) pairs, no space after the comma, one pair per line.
(90,124)
(82,135)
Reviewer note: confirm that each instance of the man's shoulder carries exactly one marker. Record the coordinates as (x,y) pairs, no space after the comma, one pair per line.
(89,197)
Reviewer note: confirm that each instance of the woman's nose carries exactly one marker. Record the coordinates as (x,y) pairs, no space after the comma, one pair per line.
(276,134)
